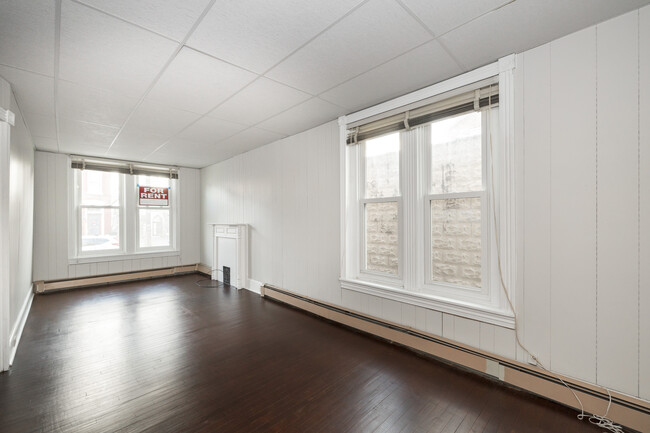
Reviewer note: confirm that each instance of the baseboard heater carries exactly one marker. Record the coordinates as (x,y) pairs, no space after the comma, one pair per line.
(75,283)
(626,410)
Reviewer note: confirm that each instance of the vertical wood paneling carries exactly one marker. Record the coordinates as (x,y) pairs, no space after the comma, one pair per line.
(537,226)
(61,215)
(374,306)
(41,238)
(391,311)
(573,205)
(644,205)
(487,337)
(505,343)
(448,326)
(51,198)
(467,331)
(433,321)
(618,233)
(115,267)
(408,315)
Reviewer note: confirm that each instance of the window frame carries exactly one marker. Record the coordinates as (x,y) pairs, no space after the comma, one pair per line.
(493,310)
(78,185)
(129,223)
(429,285)
(369,274)
(172,217)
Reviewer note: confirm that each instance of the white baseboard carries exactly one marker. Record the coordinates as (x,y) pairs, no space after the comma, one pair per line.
(254,286)
(19,326)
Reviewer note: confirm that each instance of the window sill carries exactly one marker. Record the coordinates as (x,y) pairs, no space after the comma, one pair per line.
(116,257)
(468,310)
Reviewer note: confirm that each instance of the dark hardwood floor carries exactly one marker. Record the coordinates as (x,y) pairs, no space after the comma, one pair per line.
(168,356)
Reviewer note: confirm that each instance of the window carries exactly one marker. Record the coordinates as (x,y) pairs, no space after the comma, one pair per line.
(109,219)
(381,205)
(418,205)
(154,222)
(100,211)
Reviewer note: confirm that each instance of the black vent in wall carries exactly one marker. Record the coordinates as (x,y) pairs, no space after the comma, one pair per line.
(226,275)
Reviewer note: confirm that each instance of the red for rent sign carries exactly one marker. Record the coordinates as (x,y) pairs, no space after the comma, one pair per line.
(153,196)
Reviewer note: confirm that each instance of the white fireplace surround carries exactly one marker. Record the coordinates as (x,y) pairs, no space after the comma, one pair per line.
(230,248)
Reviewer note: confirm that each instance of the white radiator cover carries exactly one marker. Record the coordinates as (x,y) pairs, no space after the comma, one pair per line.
(230,248)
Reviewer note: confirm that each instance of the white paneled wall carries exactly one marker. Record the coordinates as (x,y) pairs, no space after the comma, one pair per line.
(583,128)
(586,194)
(288,192)
(51,260)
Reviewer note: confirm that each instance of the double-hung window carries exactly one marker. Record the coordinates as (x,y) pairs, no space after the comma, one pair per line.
(422,196)
(120,209)
(100,212)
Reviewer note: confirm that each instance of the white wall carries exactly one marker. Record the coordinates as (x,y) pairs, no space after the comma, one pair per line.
(583,146)
(288,192)
(586,103)
(21,213)
(17,224)
(51,225)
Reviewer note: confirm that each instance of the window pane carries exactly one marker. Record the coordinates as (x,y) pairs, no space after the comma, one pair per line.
(154,227)
(382,237)
(154,181)
(100,229)
(456,241)
(456,154)
(382,166)
(100,188)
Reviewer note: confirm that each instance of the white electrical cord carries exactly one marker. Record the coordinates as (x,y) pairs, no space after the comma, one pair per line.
(600,421)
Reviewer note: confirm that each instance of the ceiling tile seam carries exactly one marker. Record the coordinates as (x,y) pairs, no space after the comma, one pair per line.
(319,95)
(244,130)
(259,75)
(263,74)
(316,36)
(103,12)
(204,115)
(434,38)
(26,70)
(432,33)
(162,70)
(57,52)
(509,2)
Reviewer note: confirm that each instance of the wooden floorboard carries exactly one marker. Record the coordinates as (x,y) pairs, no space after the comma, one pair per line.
(167,355)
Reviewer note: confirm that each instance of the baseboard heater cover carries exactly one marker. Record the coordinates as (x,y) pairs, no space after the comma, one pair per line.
(626,410)
(75,283)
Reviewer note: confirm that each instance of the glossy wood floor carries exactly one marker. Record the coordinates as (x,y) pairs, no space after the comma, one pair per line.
(168,356)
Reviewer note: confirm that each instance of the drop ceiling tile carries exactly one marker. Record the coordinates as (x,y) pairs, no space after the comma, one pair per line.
(373,34)
(198,83)
(171,18)
(302,117)
(250,139)
(209,130)
(85,138)
(426,65)
(27,35)
(34,92)
(256,34)
(40,125)
(440,16)
(184,153)
(525,24)
(89,104)
(259,101)
(46,144)
(136,144)
(160,119)
(101,51)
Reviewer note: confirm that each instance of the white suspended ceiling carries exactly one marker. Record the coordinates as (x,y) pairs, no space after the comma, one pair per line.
(194,82)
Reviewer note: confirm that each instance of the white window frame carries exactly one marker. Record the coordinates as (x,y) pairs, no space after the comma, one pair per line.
(490,307)
(129,230)
(372,275)
(78,208)
(172,217)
